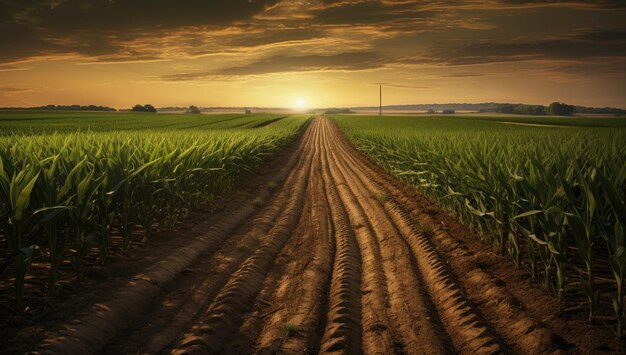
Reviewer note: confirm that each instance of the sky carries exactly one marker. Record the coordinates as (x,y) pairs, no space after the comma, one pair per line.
(322,53)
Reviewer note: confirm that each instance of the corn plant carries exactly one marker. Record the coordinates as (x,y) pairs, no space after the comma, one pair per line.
(548,197)
(65,193)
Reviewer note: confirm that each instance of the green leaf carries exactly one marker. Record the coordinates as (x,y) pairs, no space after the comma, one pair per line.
(24,198)
(528,214)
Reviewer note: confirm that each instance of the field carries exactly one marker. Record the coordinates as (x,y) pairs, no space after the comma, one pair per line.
(67,180)
(547,191)
(180,233)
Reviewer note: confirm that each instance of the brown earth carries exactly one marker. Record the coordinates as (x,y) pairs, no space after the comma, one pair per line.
(339,258)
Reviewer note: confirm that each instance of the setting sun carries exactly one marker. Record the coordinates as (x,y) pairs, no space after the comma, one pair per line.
(300,103)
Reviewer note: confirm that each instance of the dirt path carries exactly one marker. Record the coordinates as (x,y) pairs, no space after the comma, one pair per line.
(333,262)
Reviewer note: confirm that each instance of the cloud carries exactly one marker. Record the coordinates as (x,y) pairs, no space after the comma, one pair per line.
(369,12)
(589,44)
(349,61)
(10,90)
(580,3)
(402,86)
(33,28)
(274,36)
(345,35)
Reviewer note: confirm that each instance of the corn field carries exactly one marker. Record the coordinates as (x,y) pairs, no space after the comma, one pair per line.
(551,198)
(61,194)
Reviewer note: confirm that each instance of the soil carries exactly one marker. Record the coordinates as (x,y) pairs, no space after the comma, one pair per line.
(333,256)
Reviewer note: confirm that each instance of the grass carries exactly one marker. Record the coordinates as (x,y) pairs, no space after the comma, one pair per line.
(258,202)
(289,329)
(426,229)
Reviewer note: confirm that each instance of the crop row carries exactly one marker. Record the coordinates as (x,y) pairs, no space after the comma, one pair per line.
(25,122)
(553,199)
(62,194)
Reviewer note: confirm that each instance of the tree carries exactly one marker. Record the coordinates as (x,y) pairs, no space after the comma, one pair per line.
(431,111)
(192,109)
(506,108)
(447,111)
(561,109)
(144,108)
(139,108)
(248,111)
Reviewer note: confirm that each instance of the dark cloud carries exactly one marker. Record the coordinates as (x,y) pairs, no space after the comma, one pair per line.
(576,47)
(486,4)
(369,12)
(124,15)
(350,61)
(588,3)
(440,32)
(31,28)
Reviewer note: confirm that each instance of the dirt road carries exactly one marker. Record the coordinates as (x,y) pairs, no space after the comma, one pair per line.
(332,262)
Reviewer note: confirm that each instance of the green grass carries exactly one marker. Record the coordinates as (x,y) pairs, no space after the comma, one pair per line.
(66,179)
(289,330)
(551,197)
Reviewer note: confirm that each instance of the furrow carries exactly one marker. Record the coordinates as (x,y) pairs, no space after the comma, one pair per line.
(280,286)
(417,328)
(464,323)
(298,303)
(376,327)
(152,337)
(342,333)
(520,330)
(524,334)
(225,313)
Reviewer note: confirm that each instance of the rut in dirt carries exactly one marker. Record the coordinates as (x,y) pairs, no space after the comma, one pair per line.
(331,263)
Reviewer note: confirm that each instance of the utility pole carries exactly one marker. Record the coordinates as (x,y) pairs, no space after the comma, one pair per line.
(380,99)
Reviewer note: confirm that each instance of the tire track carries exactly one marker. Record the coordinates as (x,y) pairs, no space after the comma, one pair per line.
(498,307)
(303,294)
(342,333)
(521,331)
(418,329)
(162,324)
(225,313)
(463,322)
(287,312)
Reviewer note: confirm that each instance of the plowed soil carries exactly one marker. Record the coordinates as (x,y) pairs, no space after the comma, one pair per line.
(337,258)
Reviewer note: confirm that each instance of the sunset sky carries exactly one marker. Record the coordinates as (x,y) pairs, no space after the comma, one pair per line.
(322,53)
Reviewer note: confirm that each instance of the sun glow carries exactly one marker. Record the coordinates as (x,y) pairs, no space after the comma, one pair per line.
(300,104)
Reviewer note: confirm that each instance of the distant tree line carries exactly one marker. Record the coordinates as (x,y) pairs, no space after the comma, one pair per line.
(501,108)
(63,108)
(600,110)
(555,108)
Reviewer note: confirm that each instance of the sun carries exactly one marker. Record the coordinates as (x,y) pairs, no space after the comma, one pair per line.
(300,103)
